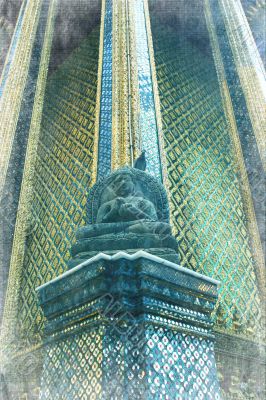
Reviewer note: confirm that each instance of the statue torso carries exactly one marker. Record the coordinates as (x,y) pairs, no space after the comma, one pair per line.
(129,208)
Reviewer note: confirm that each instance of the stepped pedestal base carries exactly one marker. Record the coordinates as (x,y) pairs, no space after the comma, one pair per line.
(129,326)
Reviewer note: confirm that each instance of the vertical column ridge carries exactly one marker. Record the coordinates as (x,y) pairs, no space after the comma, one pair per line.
(236,142)
(249,67)
(103,133)
(11,98)
(18,250)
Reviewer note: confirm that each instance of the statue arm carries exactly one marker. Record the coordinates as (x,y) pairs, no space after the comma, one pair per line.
(148,210)
(108,212)
(104,212)
(141,209)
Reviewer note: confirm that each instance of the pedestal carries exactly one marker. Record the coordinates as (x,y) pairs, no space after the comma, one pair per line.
(129,327)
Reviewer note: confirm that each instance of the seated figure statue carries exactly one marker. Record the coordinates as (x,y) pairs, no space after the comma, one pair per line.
(127,205)
(127,211)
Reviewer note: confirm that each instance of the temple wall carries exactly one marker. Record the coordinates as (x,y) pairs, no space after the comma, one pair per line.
(62,177)
(207,208)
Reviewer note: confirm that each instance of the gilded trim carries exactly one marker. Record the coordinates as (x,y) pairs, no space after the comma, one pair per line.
(135,106)
(98,100)
(121,104)
(115,88)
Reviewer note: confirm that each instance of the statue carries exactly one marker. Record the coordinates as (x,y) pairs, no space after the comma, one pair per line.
(127,211)
(127,204)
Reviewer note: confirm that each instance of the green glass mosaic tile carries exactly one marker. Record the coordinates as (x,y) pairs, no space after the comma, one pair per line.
(206,204)
(62,175)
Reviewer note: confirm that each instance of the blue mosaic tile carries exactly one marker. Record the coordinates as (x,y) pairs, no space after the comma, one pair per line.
(147,116)
(105,130)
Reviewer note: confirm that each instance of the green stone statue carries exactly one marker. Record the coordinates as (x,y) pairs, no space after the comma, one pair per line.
(128,211)
(127,204)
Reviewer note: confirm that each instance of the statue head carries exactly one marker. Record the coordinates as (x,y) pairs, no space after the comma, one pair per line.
(123,184)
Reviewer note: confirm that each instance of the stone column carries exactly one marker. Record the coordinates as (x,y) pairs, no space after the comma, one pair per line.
(129,326)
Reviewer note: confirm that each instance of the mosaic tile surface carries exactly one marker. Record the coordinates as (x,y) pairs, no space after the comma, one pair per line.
(62,176)
(77,362)
(105,130)
(147,113)
(206,203)
(154,363)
